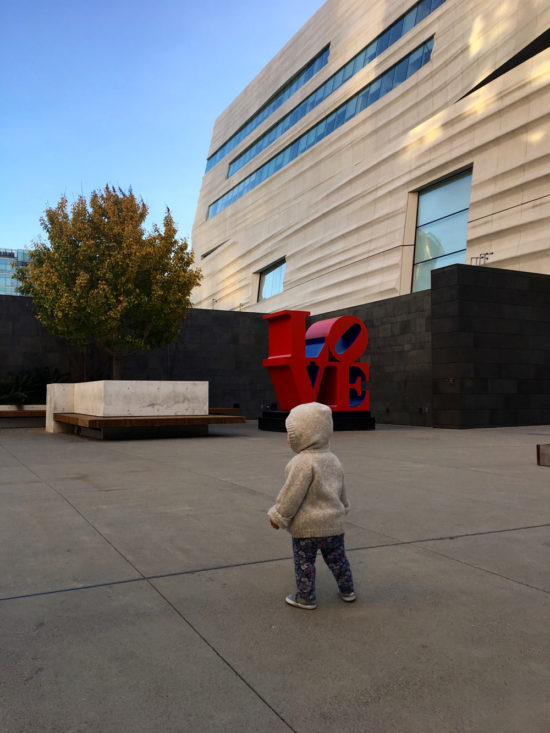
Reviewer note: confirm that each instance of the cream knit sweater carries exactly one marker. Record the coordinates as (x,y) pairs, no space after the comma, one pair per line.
(313,499)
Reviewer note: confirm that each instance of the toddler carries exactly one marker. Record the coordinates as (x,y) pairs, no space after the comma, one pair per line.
(312,502)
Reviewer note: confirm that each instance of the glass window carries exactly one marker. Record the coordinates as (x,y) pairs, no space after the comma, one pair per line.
(348,71)
(359,61)
(374,91)
(401,72)
(315,65)
(396,31)
(387,82)
(441,237)
(415,61)
(389,36)
(337,79)
(331,120)
(427,52)
(320,130)
(422,272)
(351,108)
(423,10)
(383,42)
(328,87)
(271,280)
(442,224)
(362,100)
(444,198)
(370,52)
(409,20)
(355,104)
(310,138)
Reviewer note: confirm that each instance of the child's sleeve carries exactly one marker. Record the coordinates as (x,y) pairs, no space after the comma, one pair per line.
(291,496)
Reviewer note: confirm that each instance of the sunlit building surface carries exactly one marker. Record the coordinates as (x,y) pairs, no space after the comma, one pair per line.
(385,140)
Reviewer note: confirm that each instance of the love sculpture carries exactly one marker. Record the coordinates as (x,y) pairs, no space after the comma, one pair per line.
(320,364)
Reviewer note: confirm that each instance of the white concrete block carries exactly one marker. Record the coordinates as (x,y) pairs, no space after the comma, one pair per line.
(59,398)
(125,398)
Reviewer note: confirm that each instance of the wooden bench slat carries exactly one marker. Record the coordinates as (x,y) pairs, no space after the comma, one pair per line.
(93,421)
(22,413)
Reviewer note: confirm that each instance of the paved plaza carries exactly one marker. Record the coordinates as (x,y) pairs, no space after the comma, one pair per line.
(142,588)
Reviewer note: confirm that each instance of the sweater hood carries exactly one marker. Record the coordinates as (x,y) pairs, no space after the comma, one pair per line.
(309,426)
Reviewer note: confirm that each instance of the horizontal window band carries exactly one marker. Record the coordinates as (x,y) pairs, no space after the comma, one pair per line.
(284,93)
(374,49)
(379,87)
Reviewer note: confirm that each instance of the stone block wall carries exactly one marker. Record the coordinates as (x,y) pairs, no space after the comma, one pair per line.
(225,348)
(222,347)
(25,343)
(399,353)
(472,352)
(490,347)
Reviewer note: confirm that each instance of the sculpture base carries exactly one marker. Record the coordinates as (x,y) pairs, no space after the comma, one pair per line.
(274,420)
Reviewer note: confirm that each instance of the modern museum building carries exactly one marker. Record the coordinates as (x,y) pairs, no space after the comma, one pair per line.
(385,140)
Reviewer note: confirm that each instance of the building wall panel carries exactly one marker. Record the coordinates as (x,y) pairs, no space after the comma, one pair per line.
(334,210)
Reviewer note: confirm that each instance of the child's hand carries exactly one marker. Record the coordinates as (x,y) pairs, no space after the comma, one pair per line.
(272,523)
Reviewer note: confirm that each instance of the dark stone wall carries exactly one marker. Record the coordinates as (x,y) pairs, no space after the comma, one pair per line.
(25,343)
(491,347)
(400,354)
(225,348)
(472,352)
(222,347)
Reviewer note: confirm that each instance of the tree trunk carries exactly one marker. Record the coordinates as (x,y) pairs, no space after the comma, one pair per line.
(116,366)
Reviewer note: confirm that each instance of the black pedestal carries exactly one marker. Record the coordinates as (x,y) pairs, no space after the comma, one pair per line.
(274,420)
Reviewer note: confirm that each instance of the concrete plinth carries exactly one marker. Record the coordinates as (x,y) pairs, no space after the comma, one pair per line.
(125,398)
(140,398)
(59,398)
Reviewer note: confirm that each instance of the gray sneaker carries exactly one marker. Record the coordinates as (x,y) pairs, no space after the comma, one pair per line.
(348,597)
(292,600)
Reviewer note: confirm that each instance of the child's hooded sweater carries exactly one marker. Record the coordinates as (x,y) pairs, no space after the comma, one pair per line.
(313,499)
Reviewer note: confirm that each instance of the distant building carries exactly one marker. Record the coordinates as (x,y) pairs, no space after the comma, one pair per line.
(386,139)
(8,259)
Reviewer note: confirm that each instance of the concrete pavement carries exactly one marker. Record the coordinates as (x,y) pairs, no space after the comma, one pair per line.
(141,587)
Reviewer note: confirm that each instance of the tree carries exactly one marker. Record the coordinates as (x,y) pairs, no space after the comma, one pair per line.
(102,279)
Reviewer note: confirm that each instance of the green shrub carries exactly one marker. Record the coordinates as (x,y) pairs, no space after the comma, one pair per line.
(29,385)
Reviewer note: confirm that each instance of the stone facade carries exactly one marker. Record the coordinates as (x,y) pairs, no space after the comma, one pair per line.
(343,213)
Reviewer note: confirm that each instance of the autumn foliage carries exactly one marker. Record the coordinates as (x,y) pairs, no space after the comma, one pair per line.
(102,279)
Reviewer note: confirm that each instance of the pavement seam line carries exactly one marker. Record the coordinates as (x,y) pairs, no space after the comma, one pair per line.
(160,576)
(485,570)
(82,516)
(220,655)
(142,578)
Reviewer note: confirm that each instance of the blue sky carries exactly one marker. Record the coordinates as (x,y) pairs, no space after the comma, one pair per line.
(122,92)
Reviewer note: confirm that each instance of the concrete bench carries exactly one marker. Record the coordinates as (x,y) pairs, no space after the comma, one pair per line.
(133,408)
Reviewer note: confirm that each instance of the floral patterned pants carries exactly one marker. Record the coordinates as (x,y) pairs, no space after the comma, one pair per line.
(334,554)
